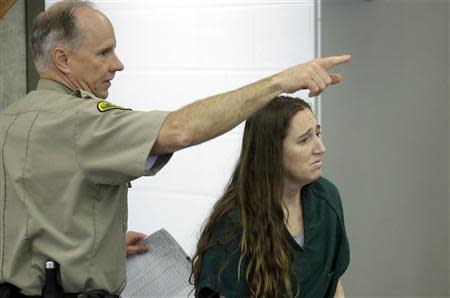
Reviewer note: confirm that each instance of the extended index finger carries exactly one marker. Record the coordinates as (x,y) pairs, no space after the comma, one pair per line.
(328,62)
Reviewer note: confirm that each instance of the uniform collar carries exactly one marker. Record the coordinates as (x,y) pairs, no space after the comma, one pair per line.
(44,84)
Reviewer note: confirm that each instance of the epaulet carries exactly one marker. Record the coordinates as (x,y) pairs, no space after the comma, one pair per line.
(104,106)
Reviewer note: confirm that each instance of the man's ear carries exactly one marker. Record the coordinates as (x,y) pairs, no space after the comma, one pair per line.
(60,58)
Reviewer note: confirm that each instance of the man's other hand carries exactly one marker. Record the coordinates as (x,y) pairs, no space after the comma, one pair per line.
(132,246)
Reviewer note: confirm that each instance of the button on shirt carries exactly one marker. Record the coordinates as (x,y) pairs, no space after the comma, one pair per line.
(65,168)
(317,265)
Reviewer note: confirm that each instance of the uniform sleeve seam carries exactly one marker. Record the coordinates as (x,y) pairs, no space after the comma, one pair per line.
(3,230)
(75,144)
(94,210)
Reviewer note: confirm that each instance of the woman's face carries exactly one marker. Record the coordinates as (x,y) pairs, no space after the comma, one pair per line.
(302,149)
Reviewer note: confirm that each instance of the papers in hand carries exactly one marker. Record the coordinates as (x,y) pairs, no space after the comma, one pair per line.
(161,272)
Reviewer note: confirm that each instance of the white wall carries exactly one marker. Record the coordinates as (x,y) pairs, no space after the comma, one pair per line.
(178,51)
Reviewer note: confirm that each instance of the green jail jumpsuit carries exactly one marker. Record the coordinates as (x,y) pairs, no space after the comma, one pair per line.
(317,265)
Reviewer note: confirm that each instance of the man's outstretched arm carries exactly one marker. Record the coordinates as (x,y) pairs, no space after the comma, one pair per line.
(215,115)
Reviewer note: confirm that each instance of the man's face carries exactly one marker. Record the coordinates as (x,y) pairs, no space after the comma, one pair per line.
(93,65)
(302,149)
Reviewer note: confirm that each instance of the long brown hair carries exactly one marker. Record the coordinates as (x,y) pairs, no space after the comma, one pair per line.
(255,190)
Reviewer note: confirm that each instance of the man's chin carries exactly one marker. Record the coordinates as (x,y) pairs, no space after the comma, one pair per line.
(102,94)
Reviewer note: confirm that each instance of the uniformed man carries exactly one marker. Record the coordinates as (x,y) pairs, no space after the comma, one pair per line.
(67,155)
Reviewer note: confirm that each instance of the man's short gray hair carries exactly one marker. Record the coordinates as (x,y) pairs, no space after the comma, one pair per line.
(56,27)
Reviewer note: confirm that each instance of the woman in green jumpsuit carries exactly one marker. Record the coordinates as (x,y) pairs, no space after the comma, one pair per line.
(278,229)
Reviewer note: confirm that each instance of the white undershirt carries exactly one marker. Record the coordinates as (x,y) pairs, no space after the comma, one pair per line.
(300,238)
(151,159)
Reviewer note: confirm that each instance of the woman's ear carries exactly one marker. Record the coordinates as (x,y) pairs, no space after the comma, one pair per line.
(60,58)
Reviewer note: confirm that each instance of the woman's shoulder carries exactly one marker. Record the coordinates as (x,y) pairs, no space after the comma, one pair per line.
(328,191)
(325,187)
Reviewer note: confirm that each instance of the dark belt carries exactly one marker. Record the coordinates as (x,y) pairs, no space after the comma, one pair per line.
(10,291)
(94,294)
(78,295)
(65,295)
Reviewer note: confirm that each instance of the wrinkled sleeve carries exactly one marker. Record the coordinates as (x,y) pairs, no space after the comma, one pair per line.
(112,146)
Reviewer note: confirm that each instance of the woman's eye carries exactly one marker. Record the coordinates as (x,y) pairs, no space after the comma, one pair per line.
(303,141)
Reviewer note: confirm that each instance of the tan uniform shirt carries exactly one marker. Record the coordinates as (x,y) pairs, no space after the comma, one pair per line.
(66,160)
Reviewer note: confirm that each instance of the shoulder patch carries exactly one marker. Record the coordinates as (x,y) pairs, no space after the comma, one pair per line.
(104,106)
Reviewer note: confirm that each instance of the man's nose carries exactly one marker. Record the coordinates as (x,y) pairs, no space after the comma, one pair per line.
(117,64)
